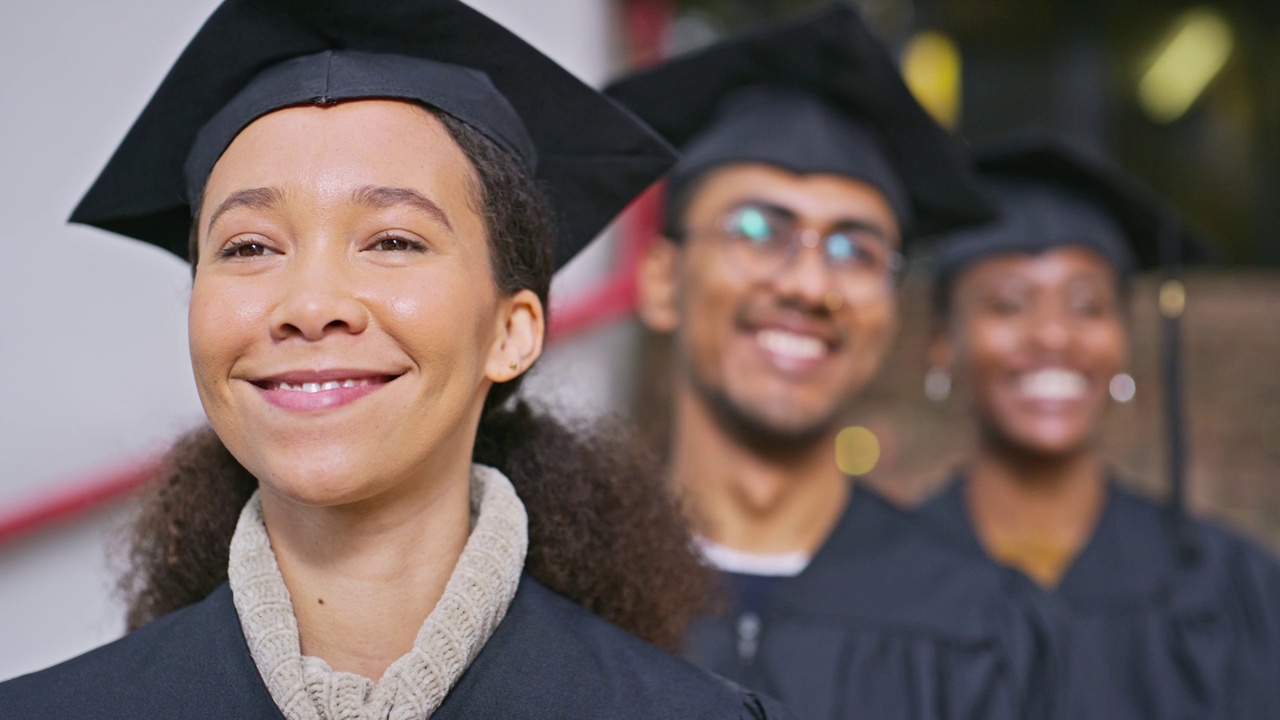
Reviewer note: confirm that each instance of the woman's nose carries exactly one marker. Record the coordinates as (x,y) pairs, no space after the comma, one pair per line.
(318,300)
(1051,331)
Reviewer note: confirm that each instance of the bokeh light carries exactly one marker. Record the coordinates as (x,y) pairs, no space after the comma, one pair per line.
(857,450)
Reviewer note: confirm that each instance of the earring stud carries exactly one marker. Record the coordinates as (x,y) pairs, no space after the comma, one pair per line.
(514,367)
(937,384)
(1122,387)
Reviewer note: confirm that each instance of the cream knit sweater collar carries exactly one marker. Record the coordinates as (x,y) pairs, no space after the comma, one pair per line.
(475,600)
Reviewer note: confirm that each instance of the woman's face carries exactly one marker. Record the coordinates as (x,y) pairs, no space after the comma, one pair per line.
(1038,339)
(345,325)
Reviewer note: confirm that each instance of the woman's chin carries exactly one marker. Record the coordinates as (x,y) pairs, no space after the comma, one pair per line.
(1054,444)
(325,486)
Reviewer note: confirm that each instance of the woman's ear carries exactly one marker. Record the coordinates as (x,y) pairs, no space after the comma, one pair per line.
(657,286)
(522,325)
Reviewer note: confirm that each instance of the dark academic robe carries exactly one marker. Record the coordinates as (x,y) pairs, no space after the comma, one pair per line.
(1147,633)
(886,622)
(549,658)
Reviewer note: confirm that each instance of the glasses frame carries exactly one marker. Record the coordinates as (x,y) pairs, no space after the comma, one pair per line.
(797,239)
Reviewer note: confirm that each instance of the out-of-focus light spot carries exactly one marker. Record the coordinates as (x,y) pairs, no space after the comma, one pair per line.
(1271,430)
(1187,60)
(931,67)
(1123,388)
(1173,298)
(857,450)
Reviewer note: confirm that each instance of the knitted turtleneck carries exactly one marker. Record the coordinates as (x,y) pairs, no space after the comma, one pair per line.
(475,600)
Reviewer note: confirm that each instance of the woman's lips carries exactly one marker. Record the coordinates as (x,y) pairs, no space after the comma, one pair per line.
(314,392)
(1052,387)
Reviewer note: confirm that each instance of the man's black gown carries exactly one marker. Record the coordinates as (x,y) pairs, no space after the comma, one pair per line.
(549,658)
(885,622)
(1149,632)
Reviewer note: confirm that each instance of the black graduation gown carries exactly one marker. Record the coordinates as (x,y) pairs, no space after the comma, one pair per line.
(886,622)
(1148,634)
(549,658)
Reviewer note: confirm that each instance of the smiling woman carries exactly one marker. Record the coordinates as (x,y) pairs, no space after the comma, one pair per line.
(374,524)
(1164,615)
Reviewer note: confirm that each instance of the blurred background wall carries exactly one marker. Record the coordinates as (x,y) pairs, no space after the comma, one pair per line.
(94,376)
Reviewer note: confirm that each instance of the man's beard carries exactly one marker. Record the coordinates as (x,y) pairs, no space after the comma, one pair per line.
(755,431)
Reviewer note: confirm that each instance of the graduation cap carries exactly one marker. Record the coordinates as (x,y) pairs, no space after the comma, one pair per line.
(819,95)
(252,57)
(1052,193)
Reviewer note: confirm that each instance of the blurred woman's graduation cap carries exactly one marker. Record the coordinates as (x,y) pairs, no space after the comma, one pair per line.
(818,95)
(251,57)
(1052,193)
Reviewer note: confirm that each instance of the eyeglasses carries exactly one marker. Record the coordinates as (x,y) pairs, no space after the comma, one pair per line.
(761,240)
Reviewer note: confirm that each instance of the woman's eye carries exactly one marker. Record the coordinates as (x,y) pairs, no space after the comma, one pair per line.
(244,250)
(1006,305)
(1090,307)
(1092,302)
(395,244)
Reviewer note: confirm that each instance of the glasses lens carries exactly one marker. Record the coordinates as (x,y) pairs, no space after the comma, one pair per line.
(755,225)
(843,250)
(864,252)
(863,262)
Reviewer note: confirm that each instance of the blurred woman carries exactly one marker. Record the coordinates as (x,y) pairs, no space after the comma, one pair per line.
(374,526)
(1161,616)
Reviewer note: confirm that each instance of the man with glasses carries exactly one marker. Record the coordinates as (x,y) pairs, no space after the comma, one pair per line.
(806,165)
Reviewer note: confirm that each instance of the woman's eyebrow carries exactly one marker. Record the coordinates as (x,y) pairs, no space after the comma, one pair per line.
(381,196)
(263,198)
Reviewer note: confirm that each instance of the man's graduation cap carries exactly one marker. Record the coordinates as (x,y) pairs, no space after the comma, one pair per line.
(254,56)
(1051,194)
(820,95)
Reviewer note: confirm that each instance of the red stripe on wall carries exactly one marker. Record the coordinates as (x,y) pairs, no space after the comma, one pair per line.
(74,500)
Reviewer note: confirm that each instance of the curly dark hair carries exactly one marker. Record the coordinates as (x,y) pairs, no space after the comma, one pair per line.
(605,529)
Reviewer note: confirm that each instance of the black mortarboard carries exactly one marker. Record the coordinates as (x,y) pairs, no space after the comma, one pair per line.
(818,95)
(590,155)
(1052,193)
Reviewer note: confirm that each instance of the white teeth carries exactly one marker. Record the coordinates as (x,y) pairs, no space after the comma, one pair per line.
(781,342)
(315,387)
(1053,384)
